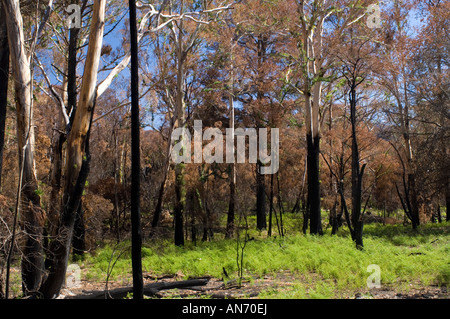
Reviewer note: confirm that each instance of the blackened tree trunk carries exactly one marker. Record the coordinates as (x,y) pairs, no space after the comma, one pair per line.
(412,198)
(314,213)
(136,231)
(180,198)
(57,260)
(54,207)
(78,241)
(232,166)
(158,208)
(231,208)
(262,44)
(261,222)
(357,173)
(4,75)
(269,231)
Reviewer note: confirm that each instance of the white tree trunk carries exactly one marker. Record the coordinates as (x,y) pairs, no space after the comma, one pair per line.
(32,216)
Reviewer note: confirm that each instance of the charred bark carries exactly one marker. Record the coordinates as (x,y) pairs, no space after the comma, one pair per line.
(59,249)
(136,229)
(315,223)
(180,197)
(79,234)
(261,222)
(357,174)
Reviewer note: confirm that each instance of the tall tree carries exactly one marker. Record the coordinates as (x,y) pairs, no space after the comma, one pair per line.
(136,235)
(320,26)
(78,157)
(354,78)
(29,200)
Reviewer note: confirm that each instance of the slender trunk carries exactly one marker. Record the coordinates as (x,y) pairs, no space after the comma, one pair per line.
(115,220)
(300,201)
(72,73)
(280,205)
(269,231)
(414,209)
(201,204)
(158,207)
(340,192)
(136,229)
(261,222)
(357,218)
(32,215)
(4,75)
(345,210)
(232,202)
(315,226)
(313,152)
(55,182)
(180,197)
(179,117)
(333,219)
(190,210)
(414,204)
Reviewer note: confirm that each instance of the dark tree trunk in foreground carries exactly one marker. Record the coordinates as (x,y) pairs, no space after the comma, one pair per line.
(136,231)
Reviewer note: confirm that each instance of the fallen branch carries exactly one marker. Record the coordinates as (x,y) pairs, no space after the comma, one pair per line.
(149,289)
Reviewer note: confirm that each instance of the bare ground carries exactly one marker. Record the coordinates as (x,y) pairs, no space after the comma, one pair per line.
(251,288)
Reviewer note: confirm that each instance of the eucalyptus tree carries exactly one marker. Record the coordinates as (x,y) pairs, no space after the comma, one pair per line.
(28,200)
(318,28)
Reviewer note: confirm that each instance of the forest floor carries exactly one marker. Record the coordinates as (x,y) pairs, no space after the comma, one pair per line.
(255,288)
(413,264)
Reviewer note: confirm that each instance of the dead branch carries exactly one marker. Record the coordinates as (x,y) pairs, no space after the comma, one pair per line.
(149,289)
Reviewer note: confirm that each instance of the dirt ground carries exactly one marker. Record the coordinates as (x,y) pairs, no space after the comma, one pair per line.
(250,288)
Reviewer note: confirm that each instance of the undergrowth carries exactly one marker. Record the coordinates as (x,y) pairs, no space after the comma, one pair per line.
(322,266)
